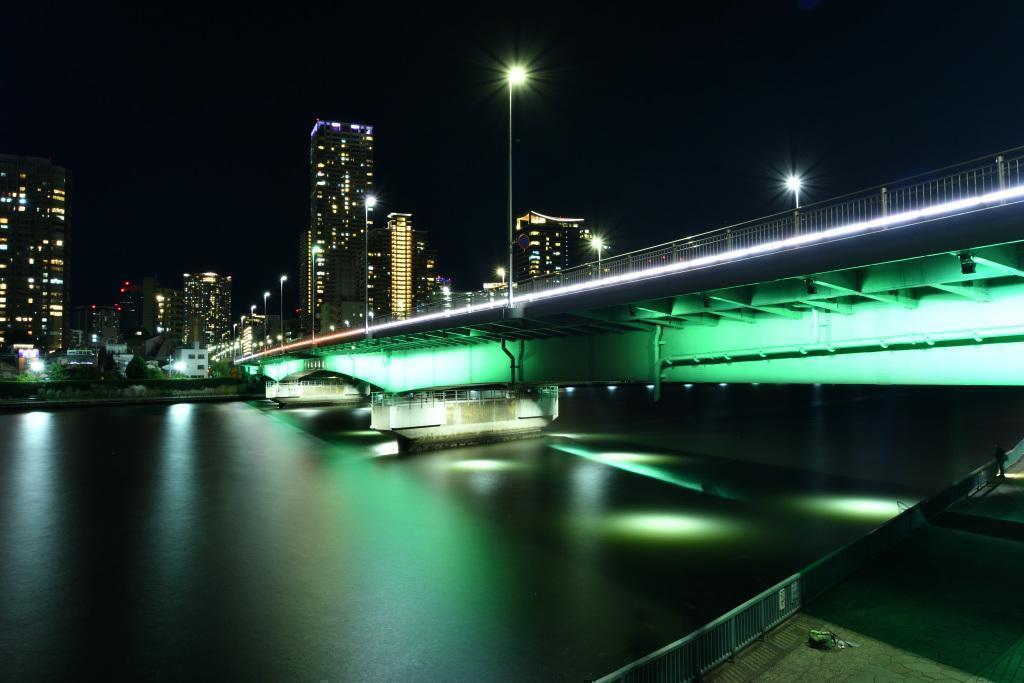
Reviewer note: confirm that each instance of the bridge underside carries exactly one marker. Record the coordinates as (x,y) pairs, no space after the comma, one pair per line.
(950,318)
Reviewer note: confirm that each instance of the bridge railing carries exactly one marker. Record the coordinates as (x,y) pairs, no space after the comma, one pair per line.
(971,179)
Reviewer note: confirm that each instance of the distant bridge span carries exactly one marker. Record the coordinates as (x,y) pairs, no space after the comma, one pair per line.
(915,282)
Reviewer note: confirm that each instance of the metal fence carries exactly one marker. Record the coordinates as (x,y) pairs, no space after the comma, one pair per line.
(458,395)
(968,180)
(707,647)
(971,179)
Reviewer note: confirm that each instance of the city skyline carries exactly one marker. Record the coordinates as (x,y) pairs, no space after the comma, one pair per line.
(584,342)
(442,134)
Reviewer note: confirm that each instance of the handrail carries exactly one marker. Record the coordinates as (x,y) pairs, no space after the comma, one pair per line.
(878,207)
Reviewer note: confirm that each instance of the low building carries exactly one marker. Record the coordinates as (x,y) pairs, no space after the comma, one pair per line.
(190,361)
(121,355)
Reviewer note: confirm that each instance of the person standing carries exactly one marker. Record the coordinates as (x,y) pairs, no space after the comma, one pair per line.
(1001,459)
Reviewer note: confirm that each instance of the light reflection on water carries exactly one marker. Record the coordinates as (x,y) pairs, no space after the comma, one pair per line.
(294,544)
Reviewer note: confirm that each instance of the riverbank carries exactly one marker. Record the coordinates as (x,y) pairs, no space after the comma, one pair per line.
(941,606)
(74,393)
(142,400)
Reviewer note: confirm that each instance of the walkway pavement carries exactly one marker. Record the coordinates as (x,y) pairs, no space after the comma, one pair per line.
(943,606)
(997,511)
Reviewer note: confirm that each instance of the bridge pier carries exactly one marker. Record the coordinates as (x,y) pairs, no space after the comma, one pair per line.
(442,419)
(315,387)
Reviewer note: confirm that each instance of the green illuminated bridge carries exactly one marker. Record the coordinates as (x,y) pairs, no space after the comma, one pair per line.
(916,282)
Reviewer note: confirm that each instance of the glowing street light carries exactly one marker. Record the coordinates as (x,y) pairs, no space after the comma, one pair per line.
(368,203)
(598,244)
(266,295)
(500,272)
(516,76)
(793,185)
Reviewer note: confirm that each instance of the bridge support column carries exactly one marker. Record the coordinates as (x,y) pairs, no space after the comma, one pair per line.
(657,363)
(442,419)
(314,392)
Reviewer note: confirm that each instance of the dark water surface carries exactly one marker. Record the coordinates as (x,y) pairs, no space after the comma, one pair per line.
(238,540)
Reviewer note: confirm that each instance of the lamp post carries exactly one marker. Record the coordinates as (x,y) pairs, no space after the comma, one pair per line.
(598,244)
(266,332)
(280,301)
(516,76)
(368,204)
(793,185)
(500,272)
(252,324)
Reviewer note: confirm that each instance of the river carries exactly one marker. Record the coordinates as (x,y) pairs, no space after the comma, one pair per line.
(239,540)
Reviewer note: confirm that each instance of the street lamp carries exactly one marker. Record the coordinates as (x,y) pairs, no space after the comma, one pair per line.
(793,185)
(598,244)
(368,204)
(500,272)
(280,302)
(266,295)
(516,76)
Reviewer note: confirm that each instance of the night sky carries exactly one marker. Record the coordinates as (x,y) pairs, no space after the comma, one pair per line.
(187,133)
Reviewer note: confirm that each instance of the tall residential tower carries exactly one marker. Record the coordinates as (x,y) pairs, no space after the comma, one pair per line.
(207,308)
(332,266)
(402,268)
(35,246)
(554,244)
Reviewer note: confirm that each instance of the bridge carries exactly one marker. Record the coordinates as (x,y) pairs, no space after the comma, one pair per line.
(919,281)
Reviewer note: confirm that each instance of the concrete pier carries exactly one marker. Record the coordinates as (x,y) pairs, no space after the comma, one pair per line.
(439,419)
(314,387)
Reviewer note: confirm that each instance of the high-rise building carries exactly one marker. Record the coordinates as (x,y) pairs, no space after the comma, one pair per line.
(553,244)
(131,302)
(424,269)
(163,309)
(400,264)
(341,177)
(250,333)
(35,249)
(402,268)
(169,312)
(207,308)
(98,325)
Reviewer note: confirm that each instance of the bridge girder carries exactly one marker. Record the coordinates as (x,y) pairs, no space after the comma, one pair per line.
(931,313)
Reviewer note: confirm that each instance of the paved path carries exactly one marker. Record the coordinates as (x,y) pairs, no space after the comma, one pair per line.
(1004,502)
(945,605)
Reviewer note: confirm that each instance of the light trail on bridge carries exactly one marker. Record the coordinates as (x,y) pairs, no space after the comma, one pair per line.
(903,219)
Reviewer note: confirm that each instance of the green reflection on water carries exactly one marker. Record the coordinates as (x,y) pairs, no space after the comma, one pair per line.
(857,508)
(485,465)
(669,526)
(643,464)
